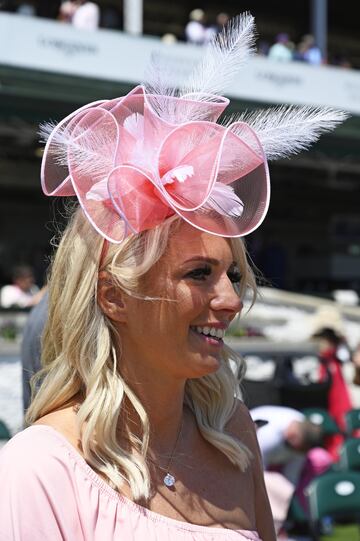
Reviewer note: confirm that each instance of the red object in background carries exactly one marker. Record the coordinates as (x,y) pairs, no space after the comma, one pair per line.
(339,401)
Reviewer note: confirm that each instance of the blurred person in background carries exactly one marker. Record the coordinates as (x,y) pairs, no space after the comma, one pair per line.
(282,49)
(22,292)
(291,446)
(86,16)
(285,439)
(263,47)
(169,38)
(26,8)
(67,10)
(308,51)
(195,30)
(31,346)
(332,353)
(214,29)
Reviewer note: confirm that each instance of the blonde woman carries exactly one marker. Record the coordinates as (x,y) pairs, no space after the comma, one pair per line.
(136,431)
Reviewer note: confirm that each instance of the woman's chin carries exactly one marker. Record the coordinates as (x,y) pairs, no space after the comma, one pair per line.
(205,366)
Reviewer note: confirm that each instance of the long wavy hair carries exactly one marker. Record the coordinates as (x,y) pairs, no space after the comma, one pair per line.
(79,357)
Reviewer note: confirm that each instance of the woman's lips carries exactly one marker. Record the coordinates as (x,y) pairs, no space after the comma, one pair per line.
(208,339)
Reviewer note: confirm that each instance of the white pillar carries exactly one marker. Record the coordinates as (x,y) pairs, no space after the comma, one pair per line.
(133,16)
(319,23)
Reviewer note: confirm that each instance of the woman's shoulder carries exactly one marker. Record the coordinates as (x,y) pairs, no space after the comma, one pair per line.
(242,427)
(240,420)
(34,449)
(37,498)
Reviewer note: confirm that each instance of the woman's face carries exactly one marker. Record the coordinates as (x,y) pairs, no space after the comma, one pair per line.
(182,336)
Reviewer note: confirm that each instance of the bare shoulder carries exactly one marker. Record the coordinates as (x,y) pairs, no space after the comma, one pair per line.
(63,421)
(241,420)
(242,427)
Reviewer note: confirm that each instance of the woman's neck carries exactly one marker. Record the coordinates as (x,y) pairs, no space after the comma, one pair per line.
(163,402)
(164,423)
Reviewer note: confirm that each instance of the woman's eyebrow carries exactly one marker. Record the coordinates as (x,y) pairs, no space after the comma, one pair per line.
(204,259)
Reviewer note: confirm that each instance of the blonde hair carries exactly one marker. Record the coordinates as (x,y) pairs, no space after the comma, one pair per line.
(78,354)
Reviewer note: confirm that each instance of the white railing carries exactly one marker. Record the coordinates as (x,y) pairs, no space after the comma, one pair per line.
(50,46)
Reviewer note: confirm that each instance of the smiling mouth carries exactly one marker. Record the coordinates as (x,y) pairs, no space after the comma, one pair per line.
(212,334)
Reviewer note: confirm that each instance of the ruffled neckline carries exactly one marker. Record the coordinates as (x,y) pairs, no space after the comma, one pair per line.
(105,488)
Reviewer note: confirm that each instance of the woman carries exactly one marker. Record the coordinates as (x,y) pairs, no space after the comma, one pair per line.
(339,399)
(136,431)
(173,381)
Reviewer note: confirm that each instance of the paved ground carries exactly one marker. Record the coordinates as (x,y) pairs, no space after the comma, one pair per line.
(10,393)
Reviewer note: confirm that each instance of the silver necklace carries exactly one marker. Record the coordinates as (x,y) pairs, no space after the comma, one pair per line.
(169,479)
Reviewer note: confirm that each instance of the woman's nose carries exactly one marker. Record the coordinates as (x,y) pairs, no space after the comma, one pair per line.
(226,298)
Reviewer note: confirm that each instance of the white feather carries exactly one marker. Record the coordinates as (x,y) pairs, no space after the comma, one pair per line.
(45,130)
(134,124)
(181,174)
(159,76)
(98,191)
(93,155)
(224,200)
(223,58)
(287,130)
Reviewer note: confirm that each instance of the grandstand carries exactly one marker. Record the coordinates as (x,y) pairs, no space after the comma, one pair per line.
(47,69)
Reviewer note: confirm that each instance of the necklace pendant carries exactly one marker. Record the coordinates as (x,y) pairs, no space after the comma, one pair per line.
(169,480)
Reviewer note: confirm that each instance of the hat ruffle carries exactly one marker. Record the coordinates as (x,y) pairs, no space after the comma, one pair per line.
(131,169)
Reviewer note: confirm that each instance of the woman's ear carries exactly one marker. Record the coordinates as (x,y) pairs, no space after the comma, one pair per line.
(111,298)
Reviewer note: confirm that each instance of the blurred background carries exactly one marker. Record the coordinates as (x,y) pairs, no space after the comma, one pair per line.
(56,56)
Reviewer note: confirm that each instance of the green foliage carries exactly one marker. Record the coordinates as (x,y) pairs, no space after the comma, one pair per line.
(9,330)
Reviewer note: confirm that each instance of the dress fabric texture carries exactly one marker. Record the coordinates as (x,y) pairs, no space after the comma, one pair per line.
(48,492)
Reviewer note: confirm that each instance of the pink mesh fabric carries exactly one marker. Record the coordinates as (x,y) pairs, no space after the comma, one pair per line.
(134,161)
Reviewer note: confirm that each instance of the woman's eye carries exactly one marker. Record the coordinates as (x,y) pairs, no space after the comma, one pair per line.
(234,277)
(200,273)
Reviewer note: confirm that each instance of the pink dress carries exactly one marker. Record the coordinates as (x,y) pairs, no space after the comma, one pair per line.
(49,493)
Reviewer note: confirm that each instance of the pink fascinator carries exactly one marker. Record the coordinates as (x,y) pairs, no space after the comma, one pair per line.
(134,161)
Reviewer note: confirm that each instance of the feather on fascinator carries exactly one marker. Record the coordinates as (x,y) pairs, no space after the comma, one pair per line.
(134,161)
